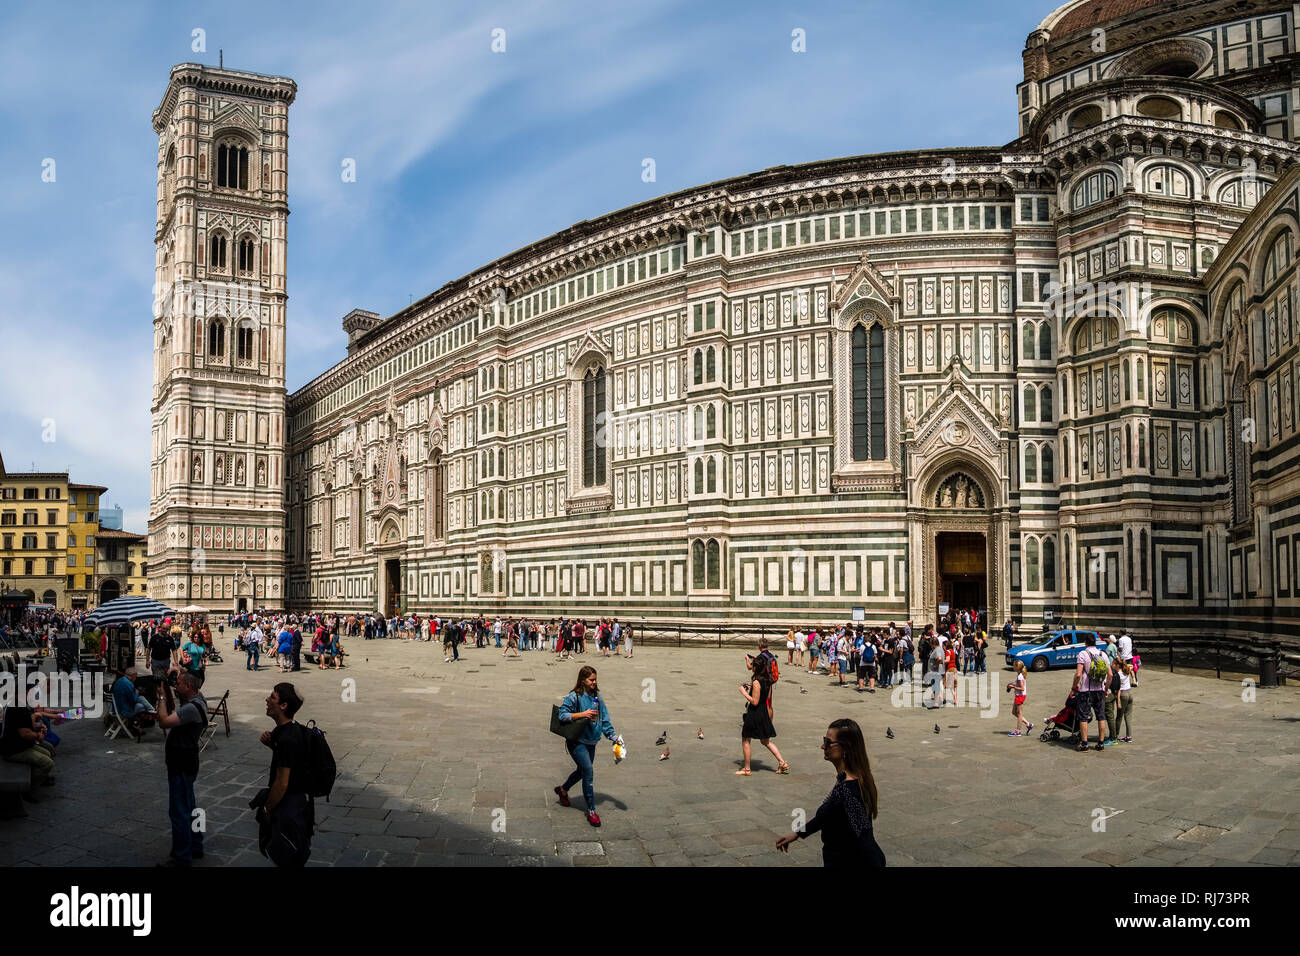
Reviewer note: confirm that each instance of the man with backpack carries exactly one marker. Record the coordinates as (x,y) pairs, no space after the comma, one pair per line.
(1091,678)
(286,810)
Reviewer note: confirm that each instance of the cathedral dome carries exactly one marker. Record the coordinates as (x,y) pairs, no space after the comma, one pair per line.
(1081,15)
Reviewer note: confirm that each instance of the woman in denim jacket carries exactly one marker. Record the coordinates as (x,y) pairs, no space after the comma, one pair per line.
(584,703)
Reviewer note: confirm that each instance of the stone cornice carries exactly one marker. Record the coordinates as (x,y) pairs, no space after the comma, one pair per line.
(214,80)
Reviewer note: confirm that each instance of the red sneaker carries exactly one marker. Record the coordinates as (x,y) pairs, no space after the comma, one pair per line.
(592,818)
(564,797)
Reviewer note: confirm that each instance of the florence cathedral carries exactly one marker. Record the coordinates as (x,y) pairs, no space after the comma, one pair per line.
(1056,378)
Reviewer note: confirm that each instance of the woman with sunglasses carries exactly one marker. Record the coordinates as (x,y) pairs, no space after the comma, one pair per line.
(584,703)
(844,818)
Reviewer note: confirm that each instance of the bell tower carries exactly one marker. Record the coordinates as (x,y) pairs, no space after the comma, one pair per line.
(216,504)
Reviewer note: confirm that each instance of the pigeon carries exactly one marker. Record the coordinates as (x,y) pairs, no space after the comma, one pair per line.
(889,732)
(700,733)
(664,755)
(663,739)
(936,728)
(803,690)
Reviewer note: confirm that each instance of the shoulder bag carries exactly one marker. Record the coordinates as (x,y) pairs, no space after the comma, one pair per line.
(570,730)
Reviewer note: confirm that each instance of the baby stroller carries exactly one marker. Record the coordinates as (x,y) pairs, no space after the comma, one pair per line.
(1063,723)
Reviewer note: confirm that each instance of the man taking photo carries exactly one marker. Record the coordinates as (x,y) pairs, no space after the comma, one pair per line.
(186,725)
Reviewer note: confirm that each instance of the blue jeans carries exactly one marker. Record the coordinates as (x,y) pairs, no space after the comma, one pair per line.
(498,639)
(583,755)
(180,809)
(254,655)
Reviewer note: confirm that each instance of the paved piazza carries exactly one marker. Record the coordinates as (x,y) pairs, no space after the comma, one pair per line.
(431,754)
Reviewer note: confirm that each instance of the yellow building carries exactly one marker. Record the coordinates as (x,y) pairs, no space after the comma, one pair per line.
(121,564)
(137,566)
(83,526)
(33,534)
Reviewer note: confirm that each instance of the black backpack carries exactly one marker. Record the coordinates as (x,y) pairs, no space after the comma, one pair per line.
(321,768)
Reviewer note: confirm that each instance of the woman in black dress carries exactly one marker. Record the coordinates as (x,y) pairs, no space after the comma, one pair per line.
(844,818)
(758,722)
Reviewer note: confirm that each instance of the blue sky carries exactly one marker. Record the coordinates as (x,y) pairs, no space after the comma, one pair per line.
(462,155)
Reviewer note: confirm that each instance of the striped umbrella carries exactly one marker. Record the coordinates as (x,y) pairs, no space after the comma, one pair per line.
(124,610)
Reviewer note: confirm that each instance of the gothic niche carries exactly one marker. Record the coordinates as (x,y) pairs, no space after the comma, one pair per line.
(959,492)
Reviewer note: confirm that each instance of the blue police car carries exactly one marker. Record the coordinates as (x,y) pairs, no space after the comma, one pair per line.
(1055,649)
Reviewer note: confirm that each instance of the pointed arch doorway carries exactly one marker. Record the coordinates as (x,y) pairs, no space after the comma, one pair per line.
(959,532)
(961,568)
(391,554)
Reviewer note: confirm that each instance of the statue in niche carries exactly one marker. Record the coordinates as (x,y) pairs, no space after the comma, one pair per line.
(945,496)
(220,470)
(973,499)
(198,468)
(239,472)
(960,486)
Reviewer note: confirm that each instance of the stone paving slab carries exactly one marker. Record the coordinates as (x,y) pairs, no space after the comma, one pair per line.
(453,765)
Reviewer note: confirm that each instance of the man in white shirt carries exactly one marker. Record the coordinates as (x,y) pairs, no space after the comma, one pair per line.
(253,647)
(1126,652)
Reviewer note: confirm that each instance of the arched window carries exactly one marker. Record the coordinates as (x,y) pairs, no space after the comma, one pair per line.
(1065,458)
(246,256)
(1127,381)
(711,365)
(1048,465)
(1027,343)
(1141,380)
(1279,257)
(1031,565)
(1045,403)
(1031,464)
(1128,446)
(1142,446)
(1225,120)
(712,469)
(1142,558)
(217,251)
(244,343)
(699,366)
(1045,342)
(714,577)
(1166,180)
(711,414)
(699,476)
(439,495)
(1031,404)
(216,339)
(868,393)
(232,166)
(1085,118)
(593,427)
(1049,564)
(1096,187)
(1067,553)
(698,569)
(699,423)
(1160,107)
(1128,539)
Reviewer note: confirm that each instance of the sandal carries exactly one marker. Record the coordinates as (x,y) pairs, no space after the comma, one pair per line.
(784,768)
(744,773)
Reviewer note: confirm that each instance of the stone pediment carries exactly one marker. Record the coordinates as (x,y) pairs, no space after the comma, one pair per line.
(590,342)
(864,282)
(235,116)
(958,419)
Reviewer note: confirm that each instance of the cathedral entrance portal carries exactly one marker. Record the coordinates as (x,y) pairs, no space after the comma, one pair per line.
(393,591)
(961,569)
